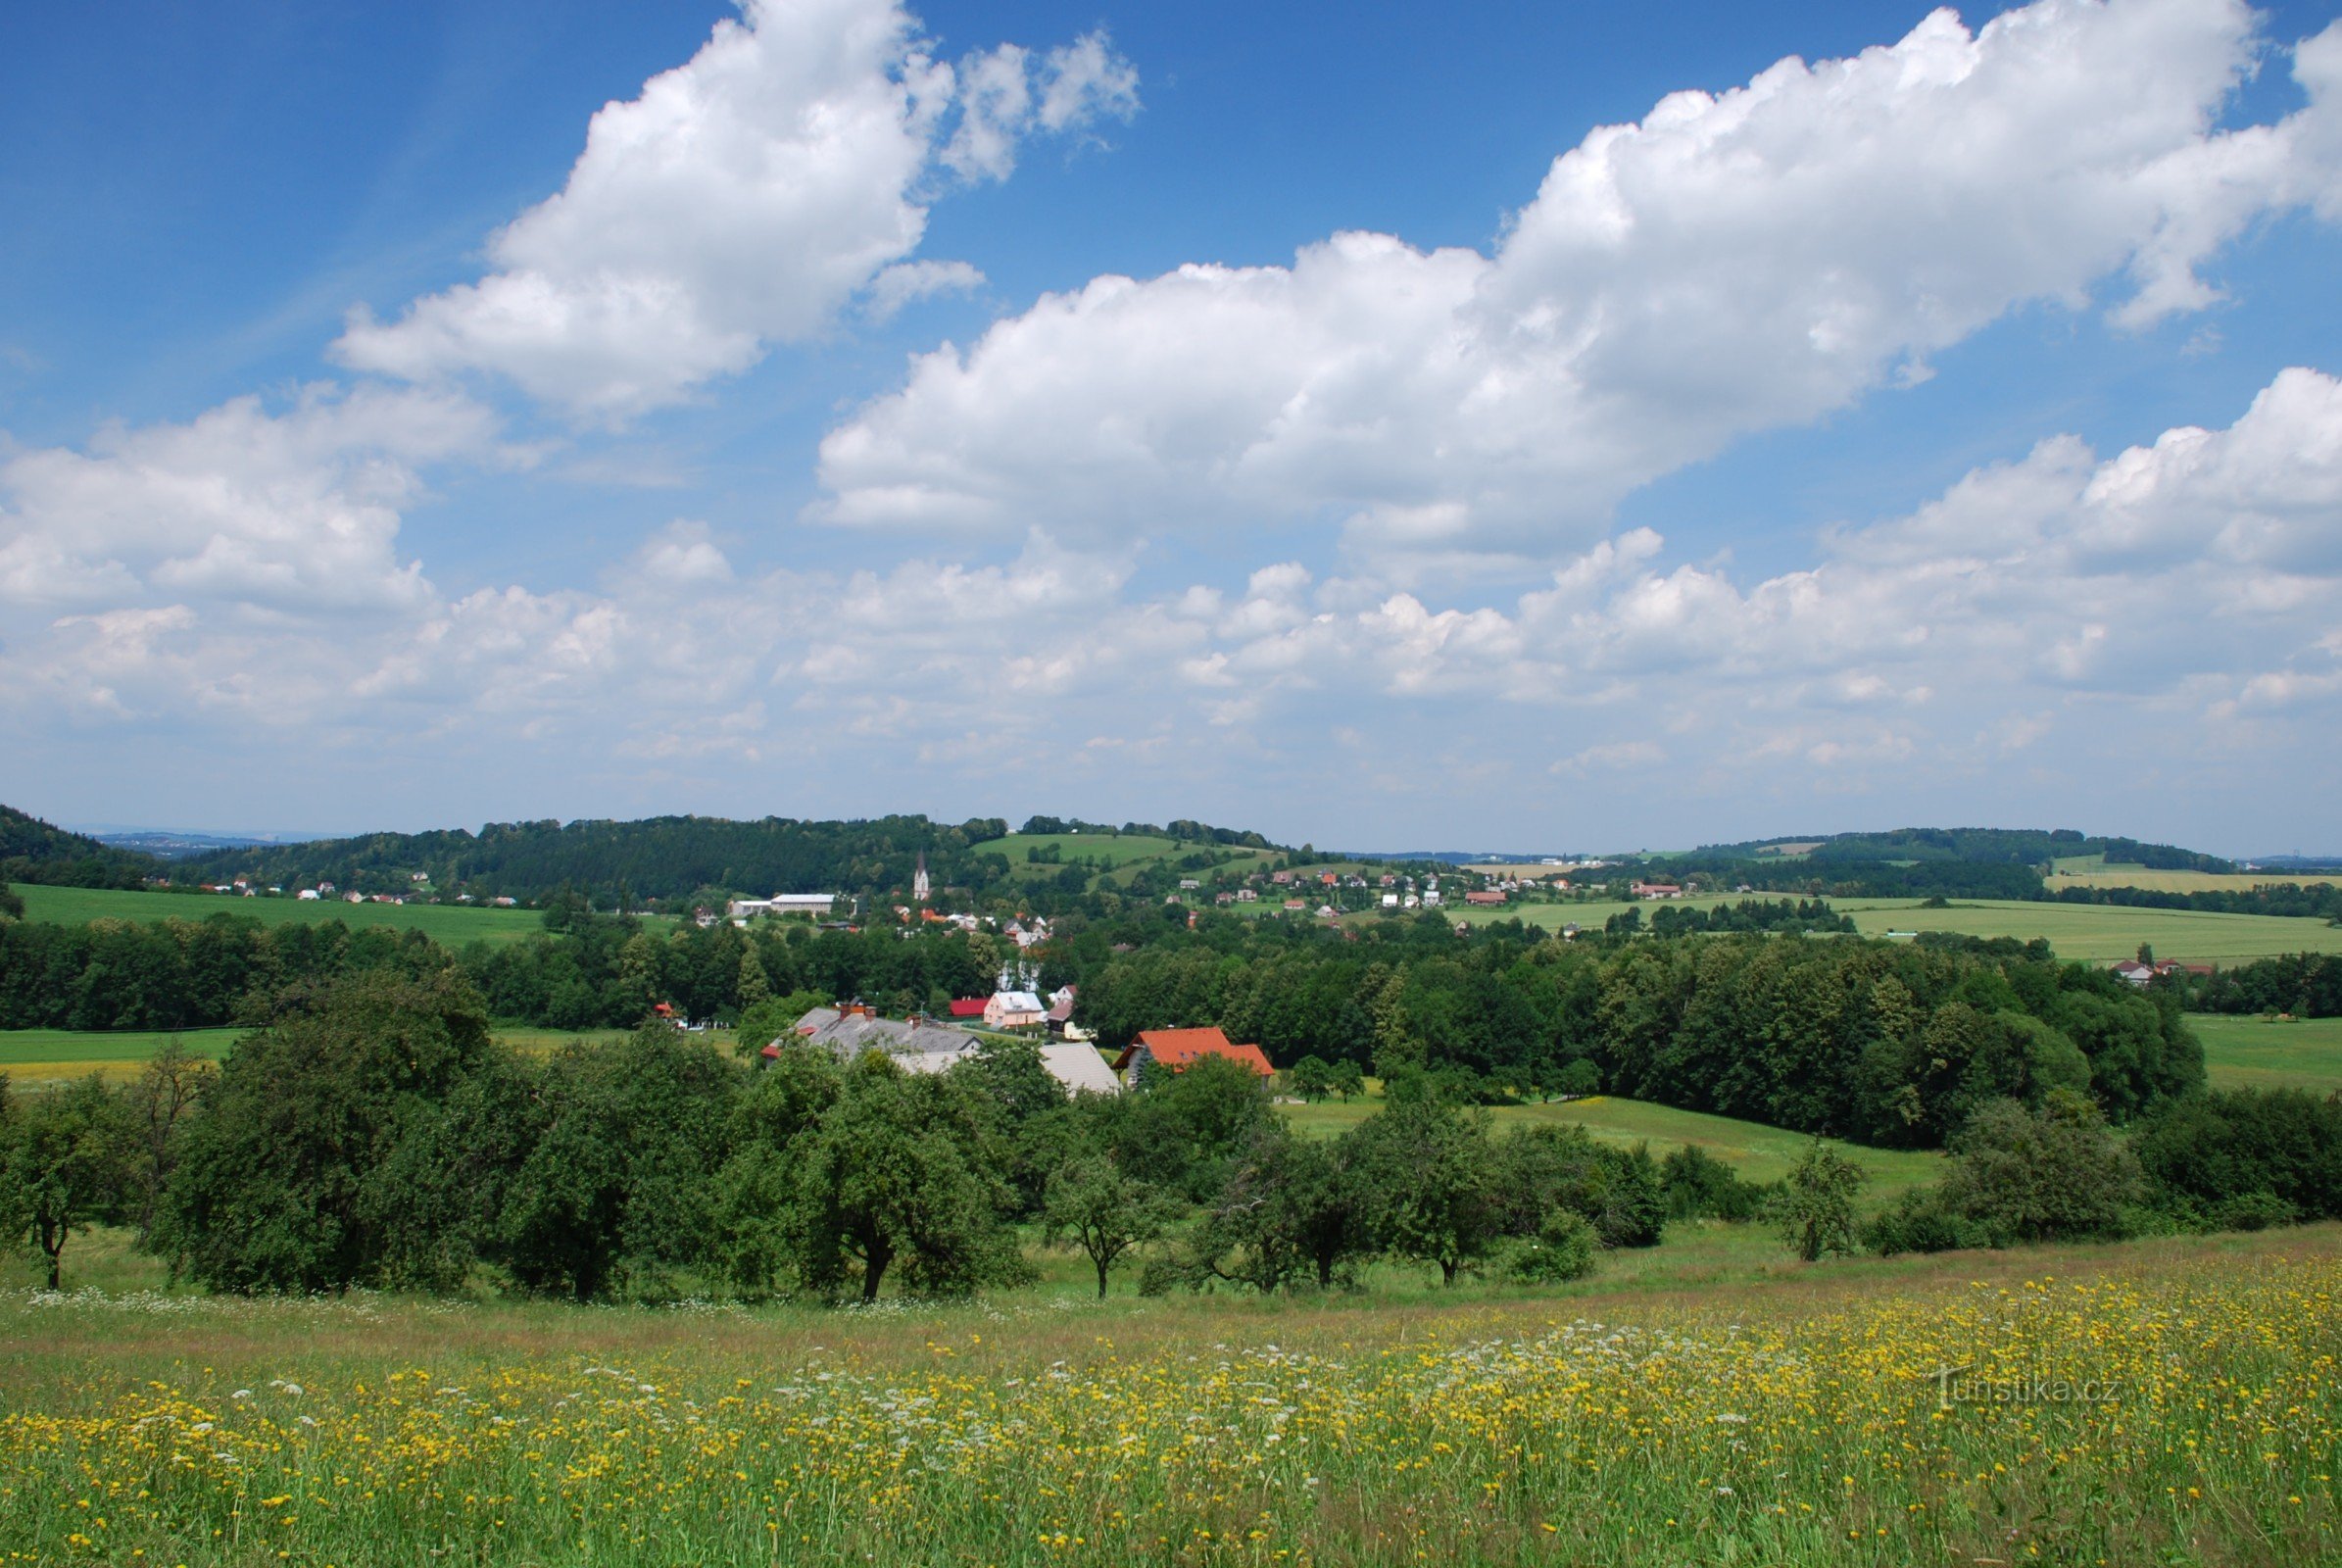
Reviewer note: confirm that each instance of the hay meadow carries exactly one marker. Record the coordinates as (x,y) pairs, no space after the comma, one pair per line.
(2149,1402)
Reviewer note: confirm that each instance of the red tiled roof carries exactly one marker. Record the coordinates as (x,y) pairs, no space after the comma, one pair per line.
(1181,1047)
(968,1007)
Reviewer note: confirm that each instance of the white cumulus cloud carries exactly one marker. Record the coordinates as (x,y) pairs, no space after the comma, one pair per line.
(1732,262)
(742,199)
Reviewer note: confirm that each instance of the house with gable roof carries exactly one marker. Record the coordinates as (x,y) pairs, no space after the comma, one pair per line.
(1177,1049)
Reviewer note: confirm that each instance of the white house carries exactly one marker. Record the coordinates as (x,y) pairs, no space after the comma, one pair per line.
(812,904)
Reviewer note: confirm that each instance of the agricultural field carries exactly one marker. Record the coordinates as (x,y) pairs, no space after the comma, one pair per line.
(2090,933)
(2156,1402)
(449,924)
(1758,1153)
(2092,871)
(2247,1053)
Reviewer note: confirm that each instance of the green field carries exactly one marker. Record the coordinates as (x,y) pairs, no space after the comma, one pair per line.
(1118,853)
(2088,933)
(2247,1053)
(450,924)
(38,1057)
(2092,871)
(1760,1153)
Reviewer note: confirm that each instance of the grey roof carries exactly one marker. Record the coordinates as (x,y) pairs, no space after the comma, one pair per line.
(848,1037)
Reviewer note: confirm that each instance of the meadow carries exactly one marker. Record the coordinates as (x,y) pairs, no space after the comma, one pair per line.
(2090,933)
(452,925)
(35,1059)
(2156,1402)
(2250,1053)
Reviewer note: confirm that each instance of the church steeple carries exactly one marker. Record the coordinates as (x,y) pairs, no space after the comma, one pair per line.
(918,880)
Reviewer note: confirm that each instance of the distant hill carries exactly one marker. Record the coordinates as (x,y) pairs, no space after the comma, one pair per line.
(34,851)
(164,845)
(685,861)
(1984,846)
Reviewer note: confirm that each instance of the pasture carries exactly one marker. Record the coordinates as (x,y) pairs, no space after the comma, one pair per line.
(2156,1402)
(451,925)
(2248,1052)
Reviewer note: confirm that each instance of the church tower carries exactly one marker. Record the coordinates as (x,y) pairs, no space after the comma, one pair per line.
(918,880)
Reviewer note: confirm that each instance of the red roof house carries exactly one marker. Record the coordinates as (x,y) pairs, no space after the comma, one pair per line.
(969,1006)
(1181,1049)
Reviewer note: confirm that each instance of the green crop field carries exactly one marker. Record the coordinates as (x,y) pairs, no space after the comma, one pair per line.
(452,925)
(1760,1153)
(2264,1053)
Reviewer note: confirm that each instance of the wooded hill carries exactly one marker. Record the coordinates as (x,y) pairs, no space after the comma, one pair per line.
(683,861)
(34,851)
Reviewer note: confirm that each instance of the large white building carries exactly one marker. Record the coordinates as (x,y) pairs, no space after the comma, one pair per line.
(814,904)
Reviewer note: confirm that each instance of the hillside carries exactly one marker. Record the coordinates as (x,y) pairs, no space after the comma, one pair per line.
(677,860)
(34,851)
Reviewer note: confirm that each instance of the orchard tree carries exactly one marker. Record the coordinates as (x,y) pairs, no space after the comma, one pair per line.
(1095,1208)
(1813,1209)
(903,1168)
(64,1165)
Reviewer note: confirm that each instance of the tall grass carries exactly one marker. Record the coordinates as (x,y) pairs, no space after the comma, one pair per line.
(1800,1424)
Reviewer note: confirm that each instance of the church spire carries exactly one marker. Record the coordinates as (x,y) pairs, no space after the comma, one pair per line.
(918,880)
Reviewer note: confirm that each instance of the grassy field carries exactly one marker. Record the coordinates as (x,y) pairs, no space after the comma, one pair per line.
(39,1057)
(2088,932)
(1759,1153)
(450,924)
(2164,1401)
(1119,853)
(2262,1053)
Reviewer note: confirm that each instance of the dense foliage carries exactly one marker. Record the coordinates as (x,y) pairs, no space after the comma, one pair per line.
(2308,985)
(34,851)
(1890,1043)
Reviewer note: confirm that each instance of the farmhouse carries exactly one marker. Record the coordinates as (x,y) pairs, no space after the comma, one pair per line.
(1177,1049)
(1486,898)
(1657,890)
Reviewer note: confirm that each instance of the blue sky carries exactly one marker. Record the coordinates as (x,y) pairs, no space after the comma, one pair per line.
(1536,428)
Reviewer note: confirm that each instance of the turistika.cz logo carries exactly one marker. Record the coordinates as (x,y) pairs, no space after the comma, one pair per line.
(1962,1384)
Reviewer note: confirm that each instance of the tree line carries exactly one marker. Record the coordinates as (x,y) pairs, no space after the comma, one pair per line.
(371,1132)
(2308,985)
(1885,1042)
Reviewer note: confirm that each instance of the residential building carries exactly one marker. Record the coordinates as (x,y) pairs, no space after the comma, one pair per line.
(1177,1049)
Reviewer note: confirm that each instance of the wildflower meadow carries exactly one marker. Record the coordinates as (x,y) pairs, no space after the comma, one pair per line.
(2156,1403)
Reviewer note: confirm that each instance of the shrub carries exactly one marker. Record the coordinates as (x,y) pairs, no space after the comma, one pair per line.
(1563,1249)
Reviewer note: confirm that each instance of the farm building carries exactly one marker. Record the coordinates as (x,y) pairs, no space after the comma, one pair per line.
(814,903)
(1179,1048)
